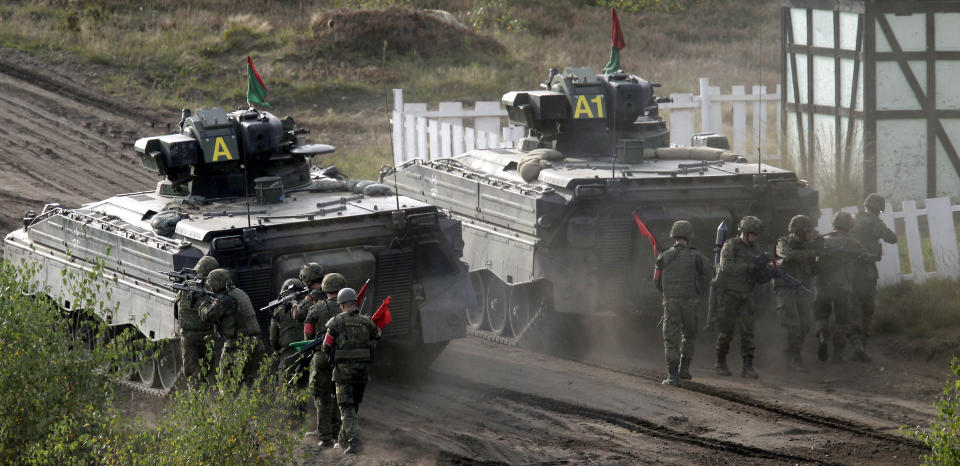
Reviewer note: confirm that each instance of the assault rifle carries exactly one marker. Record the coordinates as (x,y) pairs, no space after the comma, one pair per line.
(187,280)
(717,247)
(301,358)
(285,299)
(764,270)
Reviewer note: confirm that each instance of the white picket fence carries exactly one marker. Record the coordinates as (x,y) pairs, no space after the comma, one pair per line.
(452,128)
(940,233)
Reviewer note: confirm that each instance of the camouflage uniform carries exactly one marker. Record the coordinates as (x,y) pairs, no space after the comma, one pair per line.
(869,230)
(681,274)
(794,306)
(284,327)
(351,334)
(234,317)
(195,334)
(840,262)
(735,301)
(321,374)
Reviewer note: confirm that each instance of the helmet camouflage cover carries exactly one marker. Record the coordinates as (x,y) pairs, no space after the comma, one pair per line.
(681,229)
(800,224)
(332,283)
(205,265)
(310,273)
(751,224)
(875,202)
(843,220)
(218,279)
(291,285)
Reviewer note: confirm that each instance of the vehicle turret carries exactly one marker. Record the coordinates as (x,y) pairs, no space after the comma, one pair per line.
(220,155)
(582,114)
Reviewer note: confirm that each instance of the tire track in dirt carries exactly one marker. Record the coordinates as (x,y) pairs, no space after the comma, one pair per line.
(63,141)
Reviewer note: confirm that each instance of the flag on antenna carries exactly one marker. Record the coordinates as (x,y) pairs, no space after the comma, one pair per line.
(618,44)
(256,90)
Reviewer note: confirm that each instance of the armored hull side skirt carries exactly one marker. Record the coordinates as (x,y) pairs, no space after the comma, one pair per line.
(132,300)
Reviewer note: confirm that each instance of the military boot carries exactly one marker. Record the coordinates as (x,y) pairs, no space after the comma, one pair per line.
(822,345)
(721,366)
(672,377)
(355,446)
(684,372)
(748,372)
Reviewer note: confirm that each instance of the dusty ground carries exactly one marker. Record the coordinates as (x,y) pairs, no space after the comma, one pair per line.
(592,398)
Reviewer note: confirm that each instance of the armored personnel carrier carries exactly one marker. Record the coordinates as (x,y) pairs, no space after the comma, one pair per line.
(555,225)
(240,187)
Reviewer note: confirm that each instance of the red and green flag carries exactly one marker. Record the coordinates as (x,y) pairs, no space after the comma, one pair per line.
(256,90)
(618,44)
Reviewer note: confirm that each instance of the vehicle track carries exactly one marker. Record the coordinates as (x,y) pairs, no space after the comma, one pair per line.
(630,423)
(744,400)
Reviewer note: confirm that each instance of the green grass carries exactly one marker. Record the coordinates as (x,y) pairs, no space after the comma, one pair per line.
(918,310)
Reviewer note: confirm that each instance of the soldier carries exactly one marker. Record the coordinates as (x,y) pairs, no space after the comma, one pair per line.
(348,341)
(798,256)
(735,283)
(234,317)
(312,277)
(284,328)
(195,334)
(841,257)
(321,372)
(868,229)
(681,274)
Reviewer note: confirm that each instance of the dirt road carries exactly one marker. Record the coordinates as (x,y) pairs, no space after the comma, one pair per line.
(486,403)
(61,140)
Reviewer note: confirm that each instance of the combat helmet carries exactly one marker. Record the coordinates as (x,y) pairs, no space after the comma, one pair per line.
(218,279)
(874,203)
(310,273)
(332,283)
(346,295)
(291,285)
(842,220)
(751,224)
(205,265)
(682,229)
(800,224)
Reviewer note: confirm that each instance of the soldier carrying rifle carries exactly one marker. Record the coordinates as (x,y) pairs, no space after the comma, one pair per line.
(735,282)
(797,255)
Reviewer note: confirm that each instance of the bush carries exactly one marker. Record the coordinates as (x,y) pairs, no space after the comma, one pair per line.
(57,390)
(635,6)
(943,438)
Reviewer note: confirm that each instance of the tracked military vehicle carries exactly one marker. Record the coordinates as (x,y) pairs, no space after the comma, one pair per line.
(553,225)
(240,187)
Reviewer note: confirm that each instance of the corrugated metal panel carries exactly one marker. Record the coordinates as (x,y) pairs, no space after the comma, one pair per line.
(614,252)
(258,285)
(395,274)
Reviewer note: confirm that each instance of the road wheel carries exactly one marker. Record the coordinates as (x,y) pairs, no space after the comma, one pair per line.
(521,308)
(497,305)
(475,314)
(168,364)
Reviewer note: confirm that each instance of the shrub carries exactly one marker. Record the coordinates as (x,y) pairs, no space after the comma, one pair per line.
(943,438)
(918,309)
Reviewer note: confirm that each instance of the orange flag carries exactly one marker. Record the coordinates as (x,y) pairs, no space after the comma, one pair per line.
(382,317)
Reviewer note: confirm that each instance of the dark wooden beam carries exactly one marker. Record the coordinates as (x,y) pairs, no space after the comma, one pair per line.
(822,51)
(849,6)
(825,110)
(838,159)
(869,104)
(794,76)
(931,104)
(854,87)
(914,56)
(811,134)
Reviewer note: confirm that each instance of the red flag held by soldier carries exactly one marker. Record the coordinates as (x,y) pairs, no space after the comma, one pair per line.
(382,317)
(363,289)
(646,232)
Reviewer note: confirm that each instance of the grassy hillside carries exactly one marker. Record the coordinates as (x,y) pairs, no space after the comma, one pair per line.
(332,64)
